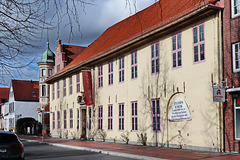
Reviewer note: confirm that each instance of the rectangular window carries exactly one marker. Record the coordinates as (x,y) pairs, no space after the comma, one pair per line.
(100,76)
(58,90)
(110,72)
(156,115)
(198,43)
(110,117)
(58,119)
(43,72)
(53,91)
(121,69)
(134,72)
(237,117)
(71,118)
(65,119)
(49,72)
(155,58)
(134,116)
(121,117)
(43,90)
(100,117)
(236,57)
(78,82)
(64,88)
(177,50)
(235,8)
(53,120)
(70,85)
(89,118)
(78,116)
(58,67)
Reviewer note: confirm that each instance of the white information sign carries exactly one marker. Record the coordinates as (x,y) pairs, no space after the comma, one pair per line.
(179,111)
(218,95)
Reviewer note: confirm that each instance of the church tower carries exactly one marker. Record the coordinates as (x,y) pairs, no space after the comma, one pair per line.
(46,69)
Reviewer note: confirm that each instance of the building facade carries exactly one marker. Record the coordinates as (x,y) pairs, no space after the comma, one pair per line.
(23,102)
(231,48)
(152,76)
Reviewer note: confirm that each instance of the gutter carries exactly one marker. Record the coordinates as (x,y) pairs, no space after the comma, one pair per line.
(51,79)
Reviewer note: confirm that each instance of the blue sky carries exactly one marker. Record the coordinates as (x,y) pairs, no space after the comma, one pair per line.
(94,20)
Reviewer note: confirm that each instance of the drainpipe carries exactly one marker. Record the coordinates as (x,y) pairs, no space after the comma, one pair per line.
(220,78)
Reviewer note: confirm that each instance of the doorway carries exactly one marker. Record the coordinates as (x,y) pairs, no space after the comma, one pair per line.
(84,124)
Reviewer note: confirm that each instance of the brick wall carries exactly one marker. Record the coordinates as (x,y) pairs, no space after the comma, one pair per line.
(230,36)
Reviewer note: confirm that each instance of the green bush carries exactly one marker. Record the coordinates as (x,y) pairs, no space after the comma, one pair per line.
(23,123)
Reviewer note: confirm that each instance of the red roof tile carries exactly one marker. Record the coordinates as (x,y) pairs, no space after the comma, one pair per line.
(156,16)
(23,90)
(4,94)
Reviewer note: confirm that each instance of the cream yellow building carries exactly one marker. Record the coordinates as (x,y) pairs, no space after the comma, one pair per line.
(141,67)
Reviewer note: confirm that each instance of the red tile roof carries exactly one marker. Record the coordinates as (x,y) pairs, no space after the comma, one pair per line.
(23,90)
(156,16)
(4,94)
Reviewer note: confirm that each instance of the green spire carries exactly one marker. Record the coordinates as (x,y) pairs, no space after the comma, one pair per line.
(48,56)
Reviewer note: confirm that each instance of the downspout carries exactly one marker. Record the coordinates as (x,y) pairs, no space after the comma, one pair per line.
(220,78)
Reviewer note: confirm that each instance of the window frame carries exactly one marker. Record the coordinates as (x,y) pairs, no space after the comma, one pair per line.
(176,49)
(65,119)
(44,93)
(49,72)
(155,58)
(78,82)
(121,69)
(235,118)
(134,66)
(234,56)
(78,118)
(58,119)
(58,89)
(110,73)
(100,76)
(64,87)
(53,121)
(43,72)
(232,9)
(110,117)
(121,117)
(53,91)
(134,116)
(71,118)
(199,43)
(100,117)
(156,115)
(70,85)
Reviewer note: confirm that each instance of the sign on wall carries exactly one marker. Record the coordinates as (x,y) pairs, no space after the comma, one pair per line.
(218,95)
(179,111)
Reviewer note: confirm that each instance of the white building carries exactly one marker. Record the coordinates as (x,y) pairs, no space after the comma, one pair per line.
(23,102)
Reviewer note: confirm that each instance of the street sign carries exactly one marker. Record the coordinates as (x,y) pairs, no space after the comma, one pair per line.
(218,95)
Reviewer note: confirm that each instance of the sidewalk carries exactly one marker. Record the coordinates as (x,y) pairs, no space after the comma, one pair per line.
(132,151)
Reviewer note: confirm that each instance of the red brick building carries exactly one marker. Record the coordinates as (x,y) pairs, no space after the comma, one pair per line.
(231,64)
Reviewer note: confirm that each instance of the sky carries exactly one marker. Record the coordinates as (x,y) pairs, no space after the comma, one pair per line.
(94,20)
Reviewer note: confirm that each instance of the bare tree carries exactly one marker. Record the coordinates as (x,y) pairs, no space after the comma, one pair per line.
(22,24)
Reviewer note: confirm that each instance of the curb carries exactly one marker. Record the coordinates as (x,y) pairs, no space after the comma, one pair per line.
(97,150)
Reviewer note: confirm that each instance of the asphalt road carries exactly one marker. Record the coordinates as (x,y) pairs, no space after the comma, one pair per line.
(37,151)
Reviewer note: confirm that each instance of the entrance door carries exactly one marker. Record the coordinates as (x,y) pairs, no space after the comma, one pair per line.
(84,124)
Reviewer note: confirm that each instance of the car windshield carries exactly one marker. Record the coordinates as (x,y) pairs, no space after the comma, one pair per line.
(7,138)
